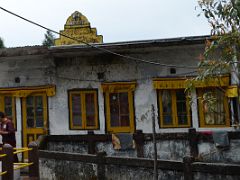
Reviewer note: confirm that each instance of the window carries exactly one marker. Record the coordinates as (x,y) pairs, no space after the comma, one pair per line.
(174,108)
(119,106)
(83,109)
(7,105)
(35,111)
(216,114)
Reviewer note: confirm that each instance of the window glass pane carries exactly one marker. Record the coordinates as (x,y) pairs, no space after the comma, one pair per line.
(181,107)
(215,113)
(30,100)
(39,111)
(114,109)
(30,112)
(30,122)
(8,100)
(76,110)
(119,109)
(124,109)
(8,112)
(8,106)
(166,107)
(90,109)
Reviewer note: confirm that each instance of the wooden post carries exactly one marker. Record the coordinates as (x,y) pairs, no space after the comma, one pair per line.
(154,144)
(193,142)
(7,162)
(91,143)
(33,156)
(187,162)
(101,165)
(139,139)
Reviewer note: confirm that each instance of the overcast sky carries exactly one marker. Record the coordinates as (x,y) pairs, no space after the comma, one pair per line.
(116,20)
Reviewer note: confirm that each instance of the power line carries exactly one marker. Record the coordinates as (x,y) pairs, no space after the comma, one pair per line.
(100,48)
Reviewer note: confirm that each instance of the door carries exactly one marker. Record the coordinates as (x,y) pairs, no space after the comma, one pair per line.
(35,115)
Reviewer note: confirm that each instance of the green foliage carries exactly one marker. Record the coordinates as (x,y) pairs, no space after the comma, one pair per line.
(224,18)
(222,49)
(49,39)
(2,43)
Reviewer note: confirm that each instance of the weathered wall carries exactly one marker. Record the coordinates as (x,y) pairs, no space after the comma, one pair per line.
(208,176)
(82,72)
(166,149)
(64,170)
(130,173)
(209,152)
(169,149)
(57,169)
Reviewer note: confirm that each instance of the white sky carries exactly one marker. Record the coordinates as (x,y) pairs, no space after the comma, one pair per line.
(116,20)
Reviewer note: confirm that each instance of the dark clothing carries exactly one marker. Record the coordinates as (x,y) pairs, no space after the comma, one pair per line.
(10,137)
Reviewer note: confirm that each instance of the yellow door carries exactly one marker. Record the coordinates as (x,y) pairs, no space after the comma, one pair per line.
(35,123)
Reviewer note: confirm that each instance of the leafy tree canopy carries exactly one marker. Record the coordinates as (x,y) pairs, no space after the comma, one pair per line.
(49,39)
(222,50)
(2,43)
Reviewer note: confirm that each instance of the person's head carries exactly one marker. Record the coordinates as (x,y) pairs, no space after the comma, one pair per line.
(3,116)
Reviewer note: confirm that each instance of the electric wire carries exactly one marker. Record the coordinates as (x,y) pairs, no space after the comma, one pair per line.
(99,48)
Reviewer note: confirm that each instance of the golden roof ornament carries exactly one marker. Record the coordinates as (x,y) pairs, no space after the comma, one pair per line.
(78,27)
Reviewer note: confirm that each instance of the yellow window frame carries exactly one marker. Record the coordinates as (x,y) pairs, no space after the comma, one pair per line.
(126,129)
(2,107)
(174,111)
(82,94)
(45,111)
(119,87)
(201,111)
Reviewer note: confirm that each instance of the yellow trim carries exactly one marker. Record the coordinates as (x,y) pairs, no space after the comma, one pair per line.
(119,87)
(232,91)
(49,90)
(3,155)
(22,165)
(202,115)
(2,173)
(82,94)
(181,83)
(174,111)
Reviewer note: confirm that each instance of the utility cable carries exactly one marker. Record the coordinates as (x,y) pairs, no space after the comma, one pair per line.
(100,48)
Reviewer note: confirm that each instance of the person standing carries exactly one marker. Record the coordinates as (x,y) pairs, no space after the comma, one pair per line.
(7,131)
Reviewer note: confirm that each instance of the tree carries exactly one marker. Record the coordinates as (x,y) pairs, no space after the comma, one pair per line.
(49,39)
(222,49)
(2,43)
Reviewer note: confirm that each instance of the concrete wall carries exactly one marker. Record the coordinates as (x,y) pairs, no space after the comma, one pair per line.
(64,170)
(56,169)
(208,152)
